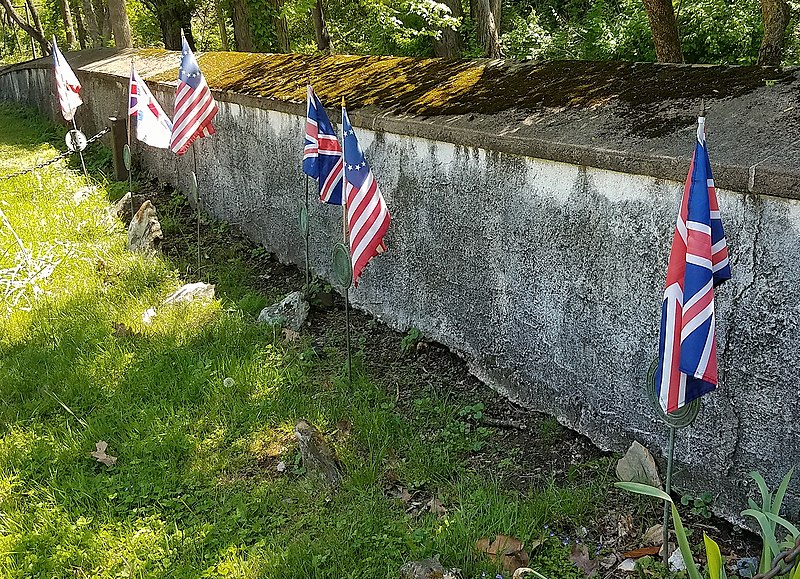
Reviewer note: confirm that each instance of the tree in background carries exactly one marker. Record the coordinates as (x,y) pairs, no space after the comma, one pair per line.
(120,26)
(665,30)
(776,16)
(320,28)
(173,16)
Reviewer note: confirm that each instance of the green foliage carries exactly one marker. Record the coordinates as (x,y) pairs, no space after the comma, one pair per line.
(703,40)
(701,506)
(410,340)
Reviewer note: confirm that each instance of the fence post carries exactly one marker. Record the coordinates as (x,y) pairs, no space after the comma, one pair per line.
(119,137)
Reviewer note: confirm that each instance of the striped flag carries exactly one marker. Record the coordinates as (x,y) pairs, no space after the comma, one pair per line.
(67,85)
(367,215)
(322,154)
(153,126)
(194,105)
(698,262)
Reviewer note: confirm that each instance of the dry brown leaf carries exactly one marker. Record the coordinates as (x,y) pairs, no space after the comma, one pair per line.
(580,557)
(654,535)
(509,551)
(643,552)
(344,427)
(121,330)
(290,335)
(101,456)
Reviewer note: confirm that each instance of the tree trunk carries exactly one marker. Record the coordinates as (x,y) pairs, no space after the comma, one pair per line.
(32,31)
(320,28)
(486,27)
(105,29)
(450,43)
(91,23)
(776,17)
(281,30)
(79,25)
(119,24)
(242,36)
(223,28)
(661,15)
(69,28)
(172,17)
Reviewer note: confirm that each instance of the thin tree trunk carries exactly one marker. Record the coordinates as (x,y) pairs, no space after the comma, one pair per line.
(279,22)
(661,15)
(320,27)
(487,27)
(79,25)
(776,17)
(173,17)
(223,28)
(33,32)
(242,36)
(119,24)
(450,43)
(105,29)
(69,28)
(92,25)
(37,22)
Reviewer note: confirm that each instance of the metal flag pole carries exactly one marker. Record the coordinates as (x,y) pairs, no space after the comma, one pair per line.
(349,261)
(304,231)
(195,193)
(126,153)
(79,149)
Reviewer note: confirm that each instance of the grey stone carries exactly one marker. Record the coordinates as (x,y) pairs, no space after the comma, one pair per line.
(144,231)
(318,457)
(290,312)
(428,569)
(546,270)
(639,466)
(122,206)
(191,291)
(676,562)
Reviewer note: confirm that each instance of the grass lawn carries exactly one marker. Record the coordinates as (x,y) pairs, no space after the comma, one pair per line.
(199,407)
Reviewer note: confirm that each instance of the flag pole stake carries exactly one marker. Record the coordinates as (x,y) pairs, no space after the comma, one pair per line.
(305,237)
(80,153)
(346,289)
(196,187)
(668,489)
(130,151)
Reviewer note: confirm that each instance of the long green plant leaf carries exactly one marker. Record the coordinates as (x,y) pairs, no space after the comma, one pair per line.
(771,547)
(766,496)
(715,568)
(779,494)
(793,531)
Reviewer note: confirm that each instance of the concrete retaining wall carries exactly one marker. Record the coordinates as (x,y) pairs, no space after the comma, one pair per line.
(546,276)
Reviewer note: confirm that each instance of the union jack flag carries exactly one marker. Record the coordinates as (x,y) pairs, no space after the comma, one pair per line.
(194,106)
(367,214)
(698,262)
(322,154)
(67,85)
(153,126)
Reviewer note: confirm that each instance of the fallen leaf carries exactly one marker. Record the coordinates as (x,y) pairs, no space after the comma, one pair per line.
(504,545)
(290,335)
(436,507)
(625,526)
(654,535)
(580,557)
(121,330)
(508,551)
(345,427)
(101,456)
(643,552)
(401,493)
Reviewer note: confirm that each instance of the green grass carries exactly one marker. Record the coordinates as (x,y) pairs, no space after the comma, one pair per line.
(195,491)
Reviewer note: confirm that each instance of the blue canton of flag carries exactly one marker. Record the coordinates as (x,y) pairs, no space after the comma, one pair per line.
(322,154)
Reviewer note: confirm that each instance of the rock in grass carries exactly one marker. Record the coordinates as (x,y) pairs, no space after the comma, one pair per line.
(428,569)
(638,466)
(319,459)
(122,205)
(290,312)
(144,232)
(190,292)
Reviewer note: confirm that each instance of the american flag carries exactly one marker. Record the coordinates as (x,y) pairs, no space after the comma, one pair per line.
(698,262)
(322,154)
(67,85)
(367,214)
(194,105)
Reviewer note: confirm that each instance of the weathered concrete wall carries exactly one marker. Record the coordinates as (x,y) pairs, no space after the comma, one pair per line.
(546,276)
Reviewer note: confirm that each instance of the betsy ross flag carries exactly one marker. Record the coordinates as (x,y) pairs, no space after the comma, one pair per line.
(322,154)
(67,85)
(698,262)
(367,215)
(153,126)
(194,105)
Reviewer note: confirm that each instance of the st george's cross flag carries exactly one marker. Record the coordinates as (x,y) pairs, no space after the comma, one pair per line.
(698,262)
(67,85)
(194,106)
(153,126)
(322,154)
(367,215)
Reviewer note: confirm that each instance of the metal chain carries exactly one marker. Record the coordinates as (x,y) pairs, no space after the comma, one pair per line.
(783,563)
(58,157)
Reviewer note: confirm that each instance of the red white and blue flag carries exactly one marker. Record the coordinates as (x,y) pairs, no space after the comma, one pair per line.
(698,262)
(367,214)
(322,154)
(67,85)
(194,106)
(153,126)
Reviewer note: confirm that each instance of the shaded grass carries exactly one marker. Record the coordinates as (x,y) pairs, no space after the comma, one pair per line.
(199,408)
